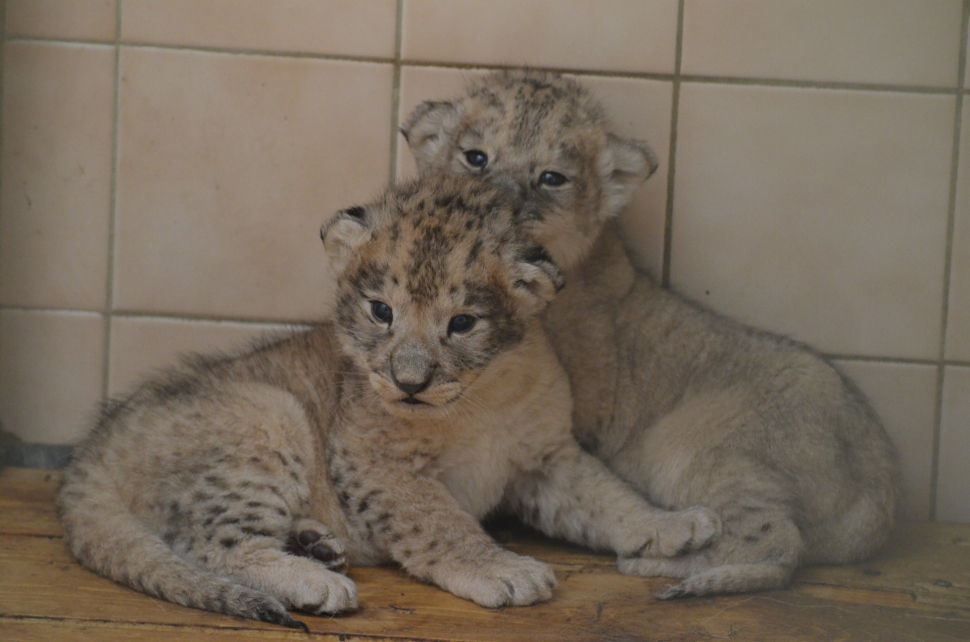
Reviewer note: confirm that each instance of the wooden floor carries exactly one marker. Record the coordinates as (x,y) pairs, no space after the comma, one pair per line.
(918,590)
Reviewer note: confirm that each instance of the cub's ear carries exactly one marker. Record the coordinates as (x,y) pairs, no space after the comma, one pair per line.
(345,232)
(538,278)
(623,165)
(428,130)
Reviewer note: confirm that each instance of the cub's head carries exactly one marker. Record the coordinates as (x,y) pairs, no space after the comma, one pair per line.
(435,282)
(546,137)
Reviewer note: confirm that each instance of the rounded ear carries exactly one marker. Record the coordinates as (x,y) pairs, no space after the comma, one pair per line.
(345,232)
(428,130)
(539,278)
(623,165)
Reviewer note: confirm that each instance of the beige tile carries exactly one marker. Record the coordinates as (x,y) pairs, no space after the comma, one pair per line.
(904,396)
(953,483)
(629,35)
(58,102)
(141,346)
(639,109)
(909,42)
(50,373)
(816,213)
(339,27)
(71,19)
(958,314)
(229,165)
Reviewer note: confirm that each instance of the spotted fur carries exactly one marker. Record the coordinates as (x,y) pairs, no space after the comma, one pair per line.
(243,483)
(689,407)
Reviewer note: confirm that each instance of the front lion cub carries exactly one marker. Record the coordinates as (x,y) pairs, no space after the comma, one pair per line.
(691,408)
(432,399)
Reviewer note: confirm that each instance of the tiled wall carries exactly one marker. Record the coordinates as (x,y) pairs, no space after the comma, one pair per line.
(166,165)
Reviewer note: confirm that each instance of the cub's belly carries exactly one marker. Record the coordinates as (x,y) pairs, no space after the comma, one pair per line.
(477,484)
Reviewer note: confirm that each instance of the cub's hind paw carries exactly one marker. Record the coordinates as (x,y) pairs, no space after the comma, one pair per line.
(681,532)
(312,539)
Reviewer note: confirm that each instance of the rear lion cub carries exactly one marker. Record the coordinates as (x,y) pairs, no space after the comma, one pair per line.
(691,408)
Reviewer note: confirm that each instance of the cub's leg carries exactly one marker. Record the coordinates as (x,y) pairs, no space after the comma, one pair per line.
(574,496)
(759,550)
(419,524)
(236,497)
(240,530)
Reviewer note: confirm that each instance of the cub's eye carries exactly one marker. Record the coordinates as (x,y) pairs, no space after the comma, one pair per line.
(476,158)
(381,312)
(461,324)
(552,179)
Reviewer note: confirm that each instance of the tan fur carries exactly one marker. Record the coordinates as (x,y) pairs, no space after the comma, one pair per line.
(224,484)
(688,406)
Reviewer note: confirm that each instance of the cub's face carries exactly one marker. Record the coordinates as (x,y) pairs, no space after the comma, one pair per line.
(435,283)
(544,137)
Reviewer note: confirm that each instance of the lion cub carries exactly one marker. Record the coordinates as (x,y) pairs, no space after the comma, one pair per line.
(688,406)
(431,400)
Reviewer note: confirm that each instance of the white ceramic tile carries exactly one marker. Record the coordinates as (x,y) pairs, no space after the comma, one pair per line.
(625,35)
(958,313)
(638,108)
(58,101)
(904,396)
(141,346)
(907,42)
(70,19)
(816,213)
(641,109)
(953,485)
(229,165)
(51,369)
(341,27)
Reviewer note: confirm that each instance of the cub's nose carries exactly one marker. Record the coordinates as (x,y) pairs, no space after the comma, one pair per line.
(411,388)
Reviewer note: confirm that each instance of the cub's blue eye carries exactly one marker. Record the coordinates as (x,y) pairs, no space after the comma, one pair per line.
(381,312)
(552,179)
(476,158)
(461,324)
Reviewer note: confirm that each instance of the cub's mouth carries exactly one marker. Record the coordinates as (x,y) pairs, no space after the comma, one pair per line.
(413,401)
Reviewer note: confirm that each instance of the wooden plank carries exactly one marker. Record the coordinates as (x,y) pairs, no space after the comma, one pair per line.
(927,565)
(918,589)
(38,581)
(27,501)
(67,630)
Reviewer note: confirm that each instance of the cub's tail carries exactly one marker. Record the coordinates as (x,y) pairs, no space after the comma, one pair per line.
(106,537)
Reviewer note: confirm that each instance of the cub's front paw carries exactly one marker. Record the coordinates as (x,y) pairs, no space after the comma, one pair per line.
(312,539)
(680,532)
(505,579)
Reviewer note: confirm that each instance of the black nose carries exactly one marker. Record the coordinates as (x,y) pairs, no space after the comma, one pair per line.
(412,388)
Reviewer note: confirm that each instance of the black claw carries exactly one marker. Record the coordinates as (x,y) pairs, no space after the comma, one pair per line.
(324,553)
(307,538)
(274,616)
(296,624)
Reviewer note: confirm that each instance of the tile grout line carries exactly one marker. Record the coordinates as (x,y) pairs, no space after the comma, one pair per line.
(396,93)
(672,150)
(112,210)
(948,258)
(701,79)
(134,314)
(214,50)
(190,318)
